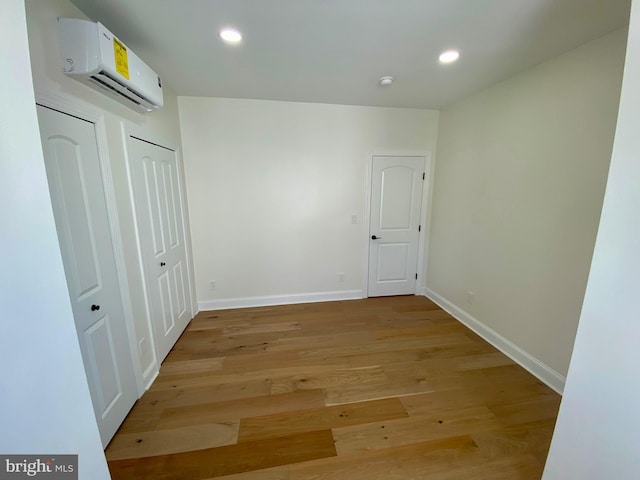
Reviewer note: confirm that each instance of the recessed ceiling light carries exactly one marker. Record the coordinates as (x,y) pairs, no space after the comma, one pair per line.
(230,35)
(449,56)
(385,81)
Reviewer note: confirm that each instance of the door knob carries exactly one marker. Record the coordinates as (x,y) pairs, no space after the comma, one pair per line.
(373,237)
(95,307)
(162,264)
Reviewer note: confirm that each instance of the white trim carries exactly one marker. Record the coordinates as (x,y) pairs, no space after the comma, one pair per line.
(85,111)
(269,300)
(367,227)
(425,218)
(153,377)
(424,211)
(421,291)
(147,135)
(543,372)
(427,225)
(69,105)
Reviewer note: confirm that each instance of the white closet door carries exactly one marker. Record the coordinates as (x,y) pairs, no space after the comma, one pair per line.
(79,206)
(160,218)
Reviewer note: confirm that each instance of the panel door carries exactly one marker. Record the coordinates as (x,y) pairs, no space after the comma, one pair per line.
(396,199)
(159,215)
(79,205)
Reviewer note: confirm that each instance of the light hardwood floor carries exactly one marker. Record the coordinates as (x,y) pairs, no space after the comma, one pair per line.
(382,388)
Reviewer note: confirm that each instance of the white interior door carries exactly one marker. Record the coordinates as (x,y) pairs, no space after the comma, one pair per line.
(396,199)
(159,215)
(79,205)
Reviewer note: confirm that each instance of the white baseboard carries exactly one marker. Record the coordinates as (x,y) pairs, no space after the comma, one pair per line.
(153,375)
(543,372)
(227,303)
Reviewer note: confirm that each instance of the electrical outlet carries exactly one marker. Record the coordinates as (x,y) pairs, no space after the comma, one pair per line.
(212,285)
(470,296)
(354,219)
(341,276)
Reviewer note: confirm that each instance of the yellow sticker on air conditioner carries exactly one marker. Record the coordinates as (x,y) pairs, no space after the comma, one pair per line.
(122,62)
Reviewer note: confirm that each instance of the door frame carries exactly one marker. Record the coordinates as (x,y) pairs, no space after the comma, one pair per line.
(84,111)
(425,214)
(129,129)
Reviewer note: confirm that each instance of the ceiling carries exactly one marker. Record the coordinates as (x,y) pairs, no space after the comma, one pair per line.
(335,51)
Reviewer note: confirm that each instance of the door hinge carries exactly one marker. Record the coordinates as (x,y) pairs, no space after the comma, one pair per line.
(416,276)
(419,228)
(423,175)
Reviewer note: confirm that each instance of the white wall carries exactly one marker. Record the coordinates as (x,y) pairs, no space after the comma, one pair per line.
(597,432)
(164,123)
(44,399)
(272,187)
(519,181)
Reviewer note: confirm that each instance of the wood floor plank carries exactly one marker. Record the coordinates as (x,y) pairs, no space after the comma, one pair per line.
(161,398)
(161,442)
(329,379)
(249,328)
(191,366)
(495,394)
(439,379)
(199,344)
(408,430)
(141,418)
(418,307)
(265,360)
(217,462)
(422,329)
(531,438)
(374,390)
(515,467)
(529,410)
(290,422)
(454,350)
(258,374)
(486,360)
(274,473)
(148,410)
(424,376)
(417,460)
(234,410)
(319,350)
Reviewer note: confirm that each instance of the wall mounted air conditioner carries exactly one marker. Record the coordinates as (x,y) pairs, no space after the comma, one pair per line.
(94,56)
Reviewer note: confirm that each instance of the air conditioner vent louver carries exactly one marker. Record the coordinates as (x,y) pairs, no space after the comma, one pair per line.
(92,55)
(108,82)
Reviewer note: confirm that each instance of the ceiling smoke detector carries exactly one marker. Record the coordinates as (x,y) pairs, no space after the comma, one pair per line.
(385,81)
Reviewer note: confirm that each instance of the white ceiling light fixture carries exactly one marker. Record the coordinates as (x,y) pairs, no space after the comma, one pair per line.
(231,36)
(385,81)
(449,56)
